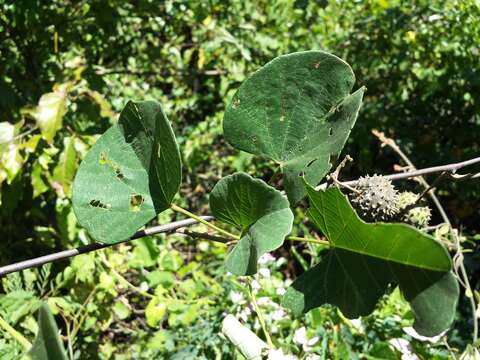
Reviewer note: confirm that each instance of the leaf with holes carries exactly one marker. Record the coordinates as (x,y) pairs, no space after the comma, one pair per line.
(129,176)
(47,344)
(259,211)
(298,111)
(365,259)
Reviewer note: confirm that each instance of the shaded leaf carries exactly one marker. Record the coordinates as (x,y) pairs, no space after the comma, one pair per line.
(298,111)
(47,344)
(261,212)
(129,176)
(366,259)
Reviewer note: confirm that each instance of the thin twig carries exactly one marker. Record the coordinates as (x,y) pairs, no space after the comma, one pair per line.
(334,176)
(417,173)
(15,334)
(35,262)
(430,188)
(205,236)
(259,314)
(79,318)
(123,280)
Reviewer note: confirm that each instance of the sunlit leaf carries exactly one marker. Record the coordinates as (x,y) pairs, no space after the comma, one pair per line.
(365,259)
(155,311)
(129,176)
(50,110)
(298,111)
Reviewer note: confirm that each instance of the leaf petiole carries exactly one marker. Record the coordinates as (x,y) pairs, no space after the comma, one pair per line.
(309,240)
(204,222)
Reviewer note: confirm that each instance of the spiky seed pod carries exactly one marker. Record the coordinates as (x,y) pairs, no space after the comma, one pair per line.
(406,198)
(418,216)
(377,198)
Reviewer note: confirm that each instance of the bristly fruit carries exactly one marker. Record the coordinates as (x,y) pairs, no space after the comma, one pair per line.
(418,216)
(376,199)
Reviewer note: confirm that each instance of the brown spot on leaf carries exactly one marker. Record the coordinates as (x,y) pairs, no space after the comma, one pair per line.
(102,160)
(136,201)
(235,103)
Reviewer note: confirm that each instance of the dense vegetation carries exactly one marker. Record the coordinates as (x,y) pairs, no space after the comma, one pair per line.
(68,70)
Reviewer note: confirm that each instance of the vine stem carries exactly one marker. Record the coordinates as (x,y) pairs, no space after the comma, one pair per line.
(173,226)
(15,334)
(226,241)
(259,314)
(449,168)
(41,260)
(200,220)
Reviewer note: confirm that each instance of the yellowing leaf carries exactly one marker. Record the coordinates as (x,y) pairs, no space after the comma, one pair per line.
(50,110)
(201,58)
(155,312)
(105,108)
(7,132)
(65,170)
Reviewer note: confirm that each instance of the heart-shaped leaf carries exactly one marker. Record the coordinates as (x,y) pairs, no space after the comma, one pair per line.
(366,258)
(129,176)
(298,111)
(47,344)
(261,212)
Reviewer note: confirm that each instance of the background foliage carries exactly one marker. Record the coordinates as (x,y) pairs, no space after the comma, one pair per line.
(68,68)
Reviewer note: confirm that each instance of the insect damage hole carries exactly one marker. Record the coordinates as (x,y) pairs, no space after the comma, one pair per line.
(136,201)
(100,205)
(311,162)
(118,173)
(330,132)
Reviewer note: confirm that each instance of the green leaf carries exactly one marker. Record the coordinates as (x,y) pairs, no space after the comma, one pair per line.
(366,258)
(261,212)
(129,176)
(121,310)
(145,253)
(298,111)
(47,344)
